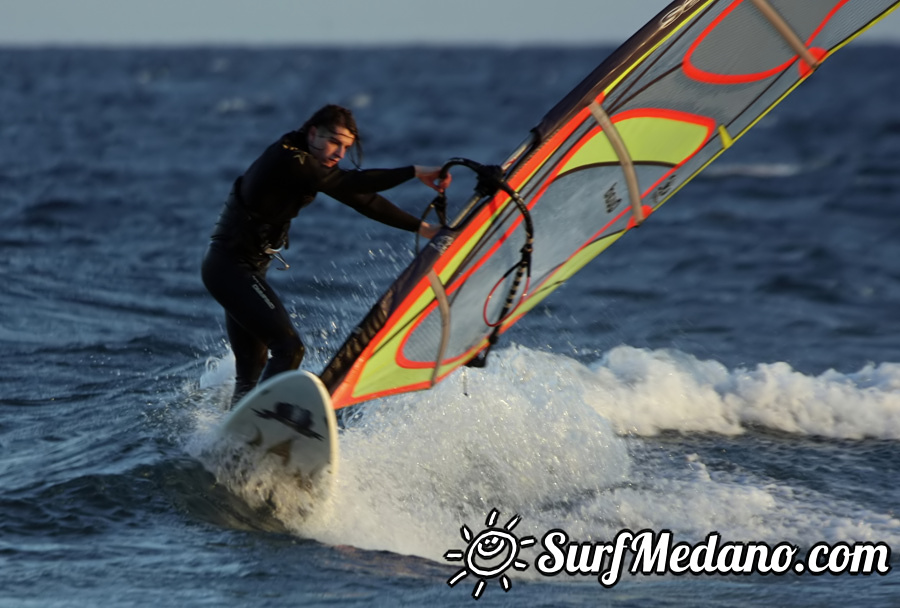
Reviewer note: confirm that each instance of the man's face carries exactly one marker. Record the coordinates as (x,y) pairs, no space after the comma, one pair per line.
(329,144)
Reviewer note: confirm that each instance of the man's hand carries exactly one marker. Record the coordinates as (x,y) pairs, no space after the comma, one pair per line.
(431,177)
(428,231)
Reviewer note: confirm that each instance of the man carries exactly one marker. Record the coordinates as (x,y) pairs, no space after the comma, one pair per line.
(253,228)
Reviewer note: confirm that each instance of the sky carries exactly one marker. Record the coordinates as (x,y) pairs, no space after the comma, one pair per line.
(334,22)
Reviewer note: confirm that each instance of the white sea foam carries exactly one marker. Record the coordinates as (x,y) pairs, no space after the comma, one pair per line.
(646,392)
(514,438)
(571,446)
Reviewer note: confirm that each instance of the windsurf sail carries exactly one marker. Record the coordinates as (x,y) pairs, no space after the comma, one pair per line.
(649,118)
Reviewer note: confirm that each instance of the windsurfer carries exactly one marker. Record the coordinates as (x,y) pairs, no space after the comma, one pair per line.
(253,229)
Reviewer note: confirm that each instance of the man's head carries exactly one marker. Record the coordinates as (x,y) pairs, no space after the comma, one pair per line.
(330,133)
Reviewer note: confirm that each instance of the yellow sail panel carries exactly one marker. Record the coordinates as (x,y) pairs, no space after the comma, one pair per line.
(661,137)
(664,136)
(596,150)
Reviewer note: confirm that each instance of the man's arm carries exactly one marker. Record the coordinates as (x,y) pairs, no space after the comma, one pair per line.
(379,208)
(338,183)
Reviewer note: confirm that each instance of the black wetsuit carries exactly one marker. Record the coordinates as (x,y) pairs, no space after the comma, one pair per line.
(256,218)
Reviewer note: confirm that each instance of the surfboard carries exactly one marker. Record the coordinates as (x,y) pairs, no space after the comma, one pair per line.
(289,420)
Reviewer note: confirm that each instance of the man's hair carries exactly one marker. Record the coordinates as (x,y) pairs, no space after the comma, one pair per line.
(332,116)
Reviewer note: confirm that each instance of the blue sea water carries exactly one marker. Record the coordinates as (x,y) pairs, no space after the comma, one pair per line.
(733,366)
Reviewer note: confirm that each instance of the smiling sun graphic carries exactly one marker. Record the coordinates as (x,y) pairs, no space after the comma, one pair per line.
(489,554)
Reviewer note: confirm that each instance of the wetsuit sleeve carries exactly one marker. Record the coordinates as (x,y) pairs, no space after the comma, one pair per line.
(357,189)
(338,183)
(379,208)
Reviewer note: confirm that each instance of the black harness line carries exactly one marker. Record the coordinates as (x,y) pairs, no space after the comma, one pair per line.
(490,181)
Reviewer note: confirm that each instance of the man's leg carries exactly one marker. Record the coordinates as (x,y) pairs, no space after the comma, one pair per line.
(250,356)
(255,316)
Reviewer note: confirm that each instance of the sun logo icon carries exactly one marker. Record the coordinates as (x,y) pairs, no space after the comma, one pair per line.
(489,554)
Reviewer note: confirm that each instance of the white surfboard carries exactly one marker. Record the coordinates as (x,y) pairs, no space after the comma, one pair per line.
(289,419)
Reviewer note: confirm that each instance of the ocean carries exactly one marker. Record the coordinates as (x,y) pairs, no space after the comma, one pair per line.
(732,367)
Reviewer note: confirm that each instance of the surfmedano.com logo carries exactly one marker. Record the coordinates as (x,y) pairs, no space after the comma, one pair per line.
(493,551)
(489,554)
